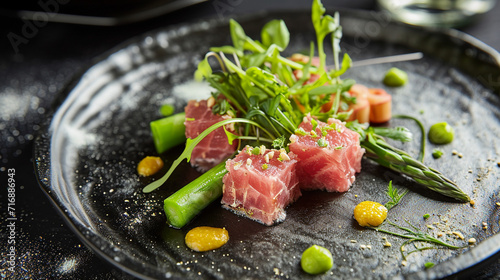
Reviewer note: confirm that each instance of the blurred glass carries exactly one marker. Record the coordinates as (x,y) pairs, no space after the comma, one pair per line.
(436,13)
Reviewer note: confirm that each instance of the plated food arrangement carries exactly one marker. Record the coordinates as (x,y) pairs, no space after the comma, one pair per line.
(104,201)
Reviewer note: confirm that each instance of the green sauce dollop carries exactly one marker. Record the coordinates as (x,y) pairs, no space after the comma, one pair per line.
(441,133)
(395,77)
(316,260)
(436,153)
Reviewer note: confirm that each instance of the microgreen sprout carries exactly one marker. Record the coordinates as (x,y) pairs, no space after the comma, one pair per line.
(314,124)
(279,142)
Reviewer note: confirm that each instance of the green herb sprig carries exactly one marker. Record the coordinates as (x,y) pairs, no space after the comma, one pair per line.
(412,233)
(394,196)
(415,235)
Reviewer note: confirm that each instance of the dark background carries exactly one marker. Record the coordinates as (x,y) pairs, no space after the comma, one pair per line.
(43,59)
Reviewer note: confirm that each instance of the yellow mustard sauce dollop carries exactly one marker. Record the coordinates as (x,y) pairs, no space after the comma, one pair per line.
(149,166)
(370,214)
(205,238)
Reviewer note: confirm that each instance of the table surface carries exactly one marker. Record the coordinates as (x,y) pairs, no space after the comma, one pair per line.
(37,61)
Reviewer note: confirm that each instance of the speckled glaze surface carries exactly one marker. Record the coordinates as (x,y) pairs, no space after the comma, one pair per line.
(87,154)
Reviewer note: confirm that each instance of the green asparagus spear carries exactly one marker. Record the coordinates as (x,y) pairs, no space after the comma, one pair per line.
(168,132)
(186,203)
(384,154)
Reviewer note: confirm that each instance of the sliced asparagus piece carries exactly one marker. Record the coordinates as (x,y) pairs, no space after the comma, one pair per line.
(186,203)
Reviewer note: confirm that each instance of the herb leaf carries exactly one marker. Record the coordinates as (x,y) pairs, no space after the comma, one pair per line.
(345,85)
(392,193)
(238,35)
(323,25)
(275,32)
(230,136)
(346,64)
(204,70)
(397,133)
(279,142)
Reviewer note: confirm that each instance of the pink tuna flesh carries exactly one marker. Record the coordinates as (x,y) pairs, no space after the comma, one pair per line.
(214,148)
(331,163)
(260,187)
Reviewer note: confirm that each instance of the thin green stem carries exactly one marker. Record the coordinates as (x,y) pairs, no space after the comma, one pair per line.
(422,131)
(227,95)
(191,143)
(268,140)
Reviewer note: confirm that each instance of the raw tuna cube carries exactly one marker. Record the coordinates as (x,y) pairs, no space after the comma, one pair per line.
(329,155)
(214,148)
(261,185)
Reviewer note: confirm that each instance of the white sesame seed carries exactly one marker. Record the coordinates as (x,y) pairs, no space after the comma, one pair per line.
(230,127)
(284,156)
(210,101)
(271,154)
(237,165)
(458,235)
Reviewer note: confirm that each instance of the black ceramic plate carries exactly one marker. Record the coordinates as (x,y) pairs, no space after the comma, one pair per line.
(86,159)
